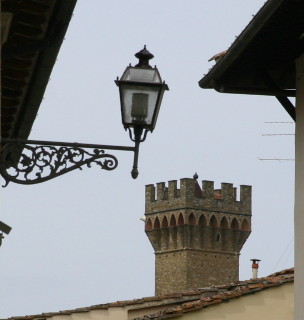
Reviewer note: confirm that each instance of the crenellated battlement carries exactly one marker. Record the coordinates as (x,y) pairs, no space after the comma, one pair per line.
(192,195)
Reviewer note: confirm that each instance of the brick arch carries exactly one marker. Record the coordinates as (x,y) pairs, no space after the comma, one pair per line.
(224,223)
(245,225)
(235,224)
(156,224)
(164,222)
(202,221)
(149,224)
(192,219)
(172,221)
(180,220)
(213,222)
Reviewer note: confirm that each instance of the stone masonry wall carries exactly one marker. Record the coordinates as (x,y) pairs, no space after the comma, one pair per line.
(187,269)
(197,233)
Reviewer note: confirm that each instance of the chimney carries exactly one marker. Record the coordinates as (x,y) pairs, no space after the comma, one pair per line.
(195,230)
(255,268)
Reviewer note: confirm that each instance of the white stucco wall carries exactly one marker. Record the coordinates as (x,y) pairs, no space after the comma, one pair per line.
(276,303)
(299,193)
(271,304)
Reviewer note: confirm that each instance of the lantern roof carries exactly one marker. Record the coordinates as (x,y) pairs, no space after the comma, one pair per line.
(149,75)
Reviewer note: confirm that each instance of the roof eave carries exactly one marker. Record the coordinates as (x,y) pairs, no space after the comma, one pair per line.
(209,81)
(40,79)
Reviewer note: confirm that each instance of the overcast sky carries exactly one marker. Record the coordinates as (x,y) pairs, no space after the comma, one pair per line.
(77,240)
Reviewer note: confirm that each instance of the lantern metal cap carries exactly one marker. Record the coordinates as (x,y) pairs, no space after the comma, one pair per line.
(144,56)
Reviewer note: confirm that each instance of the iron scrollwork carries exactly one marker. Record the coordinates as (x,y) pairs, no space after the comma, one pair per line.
(41,163)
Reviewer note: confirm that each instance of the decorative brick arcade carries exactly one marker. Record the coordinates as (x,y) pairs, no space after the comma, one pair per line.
(197,233)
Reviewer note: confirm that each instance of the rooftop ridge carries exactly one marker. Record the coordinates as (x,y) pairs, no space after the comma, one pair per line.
(220,292)
(240,289)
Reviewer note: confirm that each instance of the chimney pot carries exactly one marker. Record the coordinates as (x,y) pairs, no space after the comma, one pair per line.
(255,267)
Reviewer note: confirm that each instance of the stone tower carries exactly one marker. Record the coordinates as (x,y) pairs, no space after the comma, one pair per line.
(197,233)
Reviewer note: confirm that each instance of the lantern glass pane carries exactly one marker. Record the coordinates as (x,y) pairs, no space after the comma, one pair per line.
(138,104)
(141,75)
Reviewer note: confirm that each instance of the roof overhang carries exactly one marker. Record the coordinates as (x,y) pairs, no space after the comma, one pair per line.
(33,33)
(261,61)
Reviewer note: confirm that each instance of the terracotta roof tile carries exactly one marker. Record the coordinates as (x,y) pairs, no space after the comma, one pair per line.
(187,301)
(241,288)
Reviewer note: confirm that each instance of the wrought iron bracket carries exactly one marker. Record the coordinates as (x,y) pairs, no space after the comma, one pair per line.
(34,161)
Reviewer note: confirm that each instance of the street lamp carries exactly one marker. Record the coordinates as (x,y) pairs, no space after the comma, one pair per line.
(33,161)
(141,91)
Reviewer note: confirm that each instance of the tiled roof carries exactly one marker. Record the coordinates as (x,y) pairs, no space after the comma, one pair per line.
(185,301)
(225,293)
(34,36)
(277,27)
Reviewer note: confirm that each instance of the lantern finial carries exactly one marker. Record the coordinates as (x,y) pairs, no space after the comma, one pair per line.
(144,56)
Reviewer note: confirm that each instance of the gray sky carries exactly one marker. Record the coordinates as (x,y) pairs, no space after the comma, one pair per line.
(77,240)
